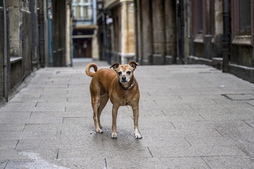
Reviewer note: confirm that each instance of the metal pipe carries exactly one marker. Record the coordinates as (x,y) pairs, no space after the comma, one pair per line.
(151,31)
(5,73)
(226,35)
(136,30)
(140,33)
(164,47)
(104,37)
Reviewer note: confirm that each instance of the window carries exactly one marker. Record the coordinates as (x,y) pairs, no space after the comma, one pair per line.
(100,6)
(76,1)
(82,12)
(242,16)
(78,12)
(86,11)
(214,13)
(82,9)
(200,16)
(198,8)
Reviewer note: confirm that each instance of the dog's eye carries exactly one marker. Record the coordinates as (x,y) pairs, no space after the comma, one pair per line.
(119,73)
(128,72)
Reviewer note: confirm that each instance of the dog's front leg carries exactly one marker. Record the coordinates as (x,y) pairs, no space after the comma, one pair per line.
(135,109)
(114,117)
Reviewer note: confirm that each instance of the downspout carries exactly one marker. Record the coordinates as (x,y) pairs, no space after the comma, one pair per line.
(136,30)
(226,35)
(5,85)
(180,32)
(151,31)
(164,53)
(140,32)
(104,37)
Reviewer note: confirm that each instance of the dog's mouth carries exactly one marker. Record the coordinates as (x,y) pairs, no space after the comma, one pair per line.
(123,81)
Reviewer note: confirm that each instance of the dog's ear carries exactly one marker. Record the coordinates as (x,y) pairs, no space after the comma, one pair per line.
(133,64)
(115,65)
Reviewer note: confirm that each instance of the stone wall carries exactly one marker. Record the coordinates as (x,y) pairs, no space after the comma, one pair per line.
(122,32)
(146,38)
(19,43)
(20,40)
(156,31)
(26,42)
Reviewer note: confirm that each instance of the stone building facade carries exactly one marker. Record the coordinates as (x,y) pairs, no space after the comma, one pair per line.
(156,31)
(18,56)
(222,35)
(116,33)
(219,33)
(206,32)
(24,39)
(241,51)
(61,34)
(84,29)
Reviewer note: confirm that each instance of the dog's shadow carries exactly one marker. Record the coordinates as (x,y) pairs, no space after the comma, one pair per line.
(125,138)
(125,146)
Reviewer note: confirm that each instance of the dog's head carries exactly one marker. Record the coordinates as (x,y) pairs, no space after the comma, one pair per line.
(124,72)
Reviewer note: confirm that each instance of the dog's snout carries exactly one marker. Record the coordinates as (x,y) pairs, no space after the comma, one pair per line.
(124,79)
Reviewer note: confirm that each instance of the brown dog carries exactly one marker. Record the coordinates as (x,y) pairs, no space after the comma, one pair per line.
(120,86)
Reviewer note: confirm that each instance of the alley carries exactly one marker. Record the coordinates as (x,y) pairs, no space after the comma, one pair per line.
(191,116)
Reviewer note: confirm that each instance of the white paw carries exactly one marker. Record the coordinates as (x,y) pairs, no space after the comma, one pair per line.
(137,134)
(114,135)
(99,130)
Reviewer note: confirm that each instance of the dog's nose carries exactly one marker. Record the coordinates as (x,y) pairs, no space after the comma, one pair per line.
(123,78)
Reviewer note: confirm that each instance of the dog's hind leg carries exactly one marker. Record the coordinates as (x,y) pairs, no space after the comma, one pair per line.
(103,102)
(96,105)
(95,100)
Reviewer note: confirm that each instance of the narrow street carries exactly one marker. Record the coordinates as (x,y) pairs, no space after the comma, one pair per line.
(191,116)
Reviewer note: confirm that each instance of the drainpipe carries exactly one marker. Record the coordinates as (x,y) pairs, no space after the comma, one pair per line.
(5,73)
(140,32)
(151,60)
(104,37)
(226,35)
(164,53)
(136,30)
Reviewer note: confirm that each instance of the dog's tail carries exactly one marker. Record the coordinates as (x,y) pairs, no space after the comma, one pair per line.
(88,67)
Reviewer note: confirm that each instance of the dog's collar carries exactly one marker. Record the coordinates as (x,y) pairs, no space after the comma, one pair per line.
(127,88)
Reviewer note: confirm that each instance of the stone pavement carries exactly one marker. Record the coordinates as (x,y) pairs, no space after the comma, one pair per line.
(191,116)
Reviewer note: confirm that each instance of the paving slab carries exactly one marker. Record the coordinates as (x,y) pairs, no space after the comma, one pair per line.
(191,116)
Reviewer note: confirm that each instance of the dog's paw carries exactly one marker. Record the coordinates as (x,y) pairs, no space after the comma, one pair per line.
(114,135)
(137,134)
(99,130)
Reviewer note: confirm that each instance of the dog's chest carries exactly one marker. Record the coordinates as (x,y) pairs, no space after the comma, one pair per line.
(125,99)
(125,102)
